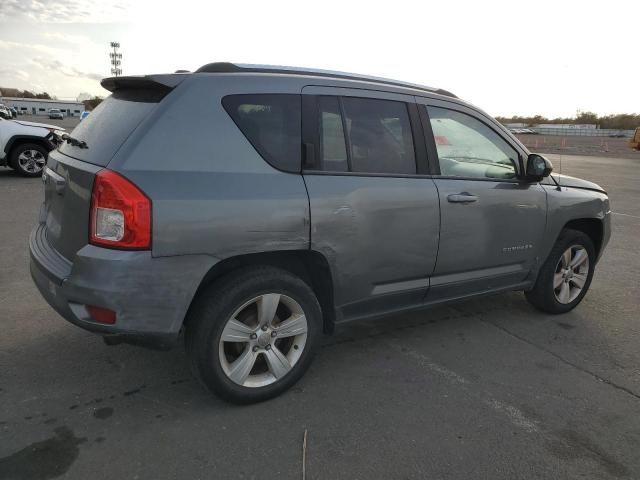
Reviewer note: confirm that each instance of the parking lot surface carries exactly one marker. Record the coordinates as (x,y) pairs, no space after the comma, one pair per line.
(580,145)
(490,388)
(68,123)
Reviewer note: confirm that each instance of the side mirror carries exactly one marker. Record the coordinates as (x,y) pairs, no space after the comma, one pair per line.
(538,167)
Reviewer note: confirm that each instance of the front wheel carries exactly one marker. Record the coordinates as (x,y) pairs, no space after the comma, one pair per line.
(252,334)
(28,159)
(565,277)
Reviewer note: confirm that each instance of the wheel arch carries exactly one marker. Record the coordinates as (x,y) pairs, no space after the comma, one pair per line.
(311,266)
(18,140)
(592,227)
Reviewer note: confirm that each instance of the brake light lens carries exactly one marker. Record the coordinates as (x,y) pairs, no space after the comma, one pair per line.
(101,314)
(120,213)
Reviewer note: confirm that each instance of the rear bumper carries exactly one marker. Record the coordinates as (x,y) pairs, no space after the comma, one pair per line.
(150,295)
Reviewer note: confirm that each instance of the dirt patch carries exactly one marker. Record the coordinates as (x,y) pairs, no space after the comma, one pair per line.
(578,145)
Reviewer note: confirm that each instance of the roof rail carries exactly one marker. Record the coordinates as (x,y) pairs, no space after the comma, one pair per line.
(228,67)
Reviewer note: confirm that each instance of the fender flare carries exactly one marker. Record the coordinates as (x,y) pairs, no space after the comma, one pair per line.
(44,141)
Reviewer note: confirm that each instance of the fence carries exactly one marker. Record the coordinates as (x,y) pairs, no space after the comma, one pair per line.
(583,132)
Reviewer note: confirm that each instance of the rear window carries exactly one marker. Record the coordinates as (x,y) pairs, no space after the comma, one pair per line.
(109,125)
(271,123)
(378,136)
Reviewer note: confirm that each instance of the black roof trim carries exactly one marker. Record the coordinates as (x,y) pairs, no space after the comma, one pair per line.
(228,67)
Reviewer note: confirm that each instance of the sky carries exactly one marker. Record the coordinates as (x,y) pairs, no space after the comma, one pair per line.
(548,57)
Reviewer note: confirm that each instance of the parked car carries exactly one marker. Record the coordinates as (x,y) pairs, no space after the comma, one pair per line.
(292,202)
(84,114)
(14,112)
(24,146)
(55,113)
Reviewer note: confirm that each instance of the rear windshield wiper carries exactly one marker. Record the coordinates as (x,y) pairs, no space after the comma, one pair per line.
(74,141)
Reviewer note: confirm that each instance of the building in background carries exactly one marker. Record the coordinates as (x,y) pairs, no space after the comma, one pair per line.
(38,106)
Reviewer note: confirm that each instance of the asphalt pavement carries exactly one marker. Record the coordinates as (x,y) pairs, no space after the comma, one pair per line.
(68,123)
(487,389)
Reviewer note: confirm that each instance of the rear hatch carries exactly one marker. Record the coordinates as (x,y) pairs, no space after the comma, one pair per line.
(72,168)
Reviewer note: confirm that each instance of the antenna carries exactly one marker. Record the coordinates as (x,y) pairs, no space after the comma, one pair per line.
(559,188)
(116,59)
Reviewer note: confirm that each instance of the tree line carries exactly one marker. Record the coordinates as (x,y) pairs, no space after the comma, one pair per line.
(92,103)
(14,92)
(621,121)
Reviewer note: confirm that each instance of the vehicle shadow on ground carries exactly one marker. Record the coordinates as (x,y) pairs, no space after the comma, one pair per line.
(88,373)
(6,172)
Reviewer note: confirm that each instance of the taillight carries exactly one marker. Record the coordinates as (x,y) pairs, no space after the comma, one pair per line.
(120,213)
(101,314)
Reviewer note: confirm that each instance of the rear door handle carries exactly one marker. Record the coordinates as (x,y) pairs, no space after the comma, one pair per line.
(463,197)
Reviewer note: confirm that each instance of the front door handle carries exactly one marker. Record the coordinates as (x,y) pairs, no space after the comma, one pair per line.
(463,197)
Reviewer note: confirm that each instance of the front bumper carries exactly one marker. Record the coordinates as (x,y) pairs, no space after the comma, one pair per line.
(606,232)
(150,295)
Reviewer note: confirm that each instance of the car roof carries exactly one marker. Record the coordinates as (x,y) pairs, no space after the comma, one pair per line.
(228,67)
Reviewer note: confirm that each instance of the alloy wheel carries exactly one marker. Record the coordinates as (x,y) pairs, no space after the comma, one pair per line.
(263,340)
(571,274)
(31,161)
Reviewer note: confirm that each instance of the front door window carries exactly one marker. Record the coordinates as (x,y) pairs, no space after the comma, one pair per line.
(469,148)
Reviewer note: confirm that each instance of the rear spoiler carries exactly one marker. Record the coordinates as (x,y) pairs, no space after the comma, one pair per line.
(164,83)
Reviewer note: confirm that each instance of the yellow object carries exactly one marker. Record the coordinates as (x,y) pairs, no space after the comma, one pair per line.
(635,141)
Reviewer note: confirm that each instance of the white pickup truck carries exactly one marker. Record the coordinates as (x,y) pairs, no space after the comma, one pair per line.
(24,146)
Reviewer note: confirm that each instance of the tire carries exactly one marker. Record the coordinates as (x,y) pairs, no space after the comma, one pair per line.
(28,159)
(557,290)
(243,295)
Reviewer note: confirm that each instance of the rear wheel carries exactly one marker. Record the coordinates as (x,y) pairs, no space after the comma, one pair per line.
(28,159)
(565,277)
(252,335)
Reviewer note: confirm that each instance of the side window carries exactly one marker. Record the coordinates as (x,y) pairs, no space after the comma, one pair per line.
(379,134)
(333,149)
(469,148)
(271,122)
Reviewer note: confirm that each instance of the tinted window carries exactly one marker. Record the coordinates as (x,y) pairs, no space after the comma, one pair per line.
(110,123)
(333,149)
(272,124)
(379,135)
(469,148)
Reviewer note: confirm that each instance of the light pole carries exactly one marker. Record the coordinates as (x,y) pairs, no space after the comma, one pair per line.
(116,59)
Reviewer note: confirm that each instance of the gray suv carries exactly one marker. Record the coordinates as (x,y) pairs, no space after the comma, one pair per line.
(254,208)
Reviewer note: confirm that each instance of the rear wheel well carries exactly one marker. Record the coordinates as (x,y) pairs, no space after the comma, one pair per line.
(12,144)
(591,227)
(310,266)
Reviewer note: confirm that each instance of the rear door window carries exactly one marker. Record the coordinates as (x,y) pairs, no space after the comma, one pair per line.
(379,133)
(333,148)
(110,124)
(271,122)
(378,136)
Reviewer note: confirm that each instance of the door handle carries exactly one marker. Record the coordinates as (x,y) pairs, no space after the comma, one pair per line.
(463,197)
